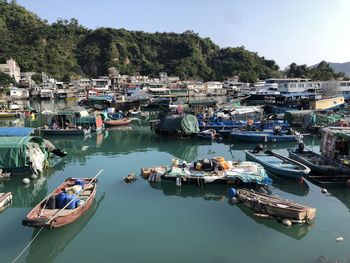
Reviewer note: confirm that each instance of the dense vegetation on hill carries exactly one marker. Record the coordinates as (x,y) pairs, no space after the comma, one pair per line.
(65,48)
(323,71)
(338,67)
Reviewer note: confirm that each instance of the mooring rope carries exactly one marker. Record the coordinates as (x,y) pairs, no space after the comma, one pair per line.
(15,260)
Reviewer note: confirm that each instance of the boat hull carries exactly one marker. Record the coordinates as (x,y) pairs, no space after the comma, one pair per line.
(275,206)
(274,164)
(324,171)
(117,122)
(262,137)
(37,219)
(64,132)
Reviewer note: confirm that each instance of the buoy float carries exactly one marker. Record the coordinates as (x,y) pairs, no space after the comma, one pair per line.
(234,200)
(34,176)
(287,222)
(232,192)
(26,181)
(324,191)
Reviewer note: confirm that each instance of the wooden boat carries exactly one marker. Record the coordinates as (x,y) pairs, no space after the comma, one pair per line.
(5,200)
(69,131)
(325,171)
(42,216)
(275,206)
(278,164)
(263,136)
(117,122)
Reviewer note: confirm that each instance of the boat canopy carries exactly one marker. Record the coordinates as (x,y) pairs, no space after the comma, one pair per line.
(14,150)
(15,131)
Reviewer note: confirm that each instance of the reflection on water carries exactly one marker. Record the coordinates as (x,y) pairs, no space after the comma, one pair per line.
(296,231)
(209,192)
(53,241)
(292,186)
(25,195)
(151,218)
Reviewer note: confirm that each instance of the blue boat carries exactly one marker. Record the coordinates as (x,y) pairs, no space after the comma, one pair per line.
(236,124)
(263,136)
(278,164)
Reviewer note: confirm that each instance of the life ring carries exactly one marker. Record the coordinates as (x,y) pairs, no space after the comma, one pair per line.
(344,124)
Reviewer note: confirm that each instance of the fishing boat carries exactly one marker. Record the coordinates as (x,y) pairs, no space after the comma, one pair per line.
(239,124)
(207,171)
(119,122)
(324,171)
(275,206)
(264,136)
(5,200)
(278,164)
(66,131)
(46,215)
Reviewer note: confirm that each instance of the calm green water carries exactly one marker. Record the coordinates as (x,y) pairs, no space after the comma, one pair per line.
(142,222)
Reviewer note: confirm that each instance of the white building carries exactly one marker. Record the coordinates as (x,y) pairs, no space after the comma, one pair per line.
(214,88)
(16,93)
(11,68)
(102,83)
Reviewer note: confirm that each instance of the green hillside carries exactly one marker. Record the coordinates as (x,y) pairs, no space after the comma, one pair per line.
(65,48)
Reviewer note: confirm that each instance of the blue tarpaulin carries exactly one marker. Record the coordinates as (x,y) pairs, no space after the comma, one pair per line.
(15,131)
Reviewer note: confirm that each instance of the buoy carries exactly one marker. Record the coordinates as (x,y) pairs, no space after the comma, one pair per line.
(339,239)
(34,176)
(287,222)
(232,192)
(324,191)
(234,200)
(26,181)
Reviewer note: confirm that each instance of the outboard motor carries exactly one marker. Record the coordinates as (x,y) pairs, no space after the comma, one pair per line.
(301,147)
(258,148)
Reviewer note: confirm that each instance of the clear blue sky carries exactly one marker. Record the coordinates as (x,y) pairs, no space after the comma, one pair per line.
(301,31)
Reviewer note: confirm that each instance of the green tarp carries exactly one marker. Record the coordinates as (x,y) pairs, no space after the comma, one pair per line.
(296,117)
(13,150)
(185,123)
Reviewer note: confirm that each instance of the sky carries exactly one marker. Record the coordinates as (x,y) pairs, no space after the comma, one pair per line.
(301,31)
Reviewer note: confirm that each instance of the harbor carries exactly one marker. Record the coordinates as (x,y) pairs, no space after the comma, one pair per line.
(140,214)
(150,132)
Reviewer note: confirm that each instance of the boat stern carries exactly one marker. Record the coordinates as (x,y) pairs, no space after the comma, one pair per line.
(36,222)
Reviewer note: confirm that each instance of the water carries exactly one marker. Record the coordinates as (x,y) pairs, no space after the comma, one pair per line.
(142,222)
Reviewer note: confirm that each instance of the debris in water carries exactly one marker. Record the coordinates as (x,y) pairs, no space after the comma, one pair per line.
(339,239)
(130,178)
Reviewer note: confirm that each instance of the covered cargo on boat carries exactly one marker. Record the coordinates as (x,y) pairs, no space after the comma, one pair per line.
(17,152)
(296,117)
(335,143)
(186,124)
(313,120)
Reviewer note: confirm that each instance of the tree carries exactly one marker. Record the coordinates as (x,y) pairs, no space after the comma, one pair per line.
(6,80)
(297,71)
(37,78)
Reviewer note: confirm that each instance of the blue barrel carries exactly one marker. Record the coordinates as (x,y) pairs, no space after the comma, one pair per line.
(232,192)
(61,200)
(73,204)
(79,182)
